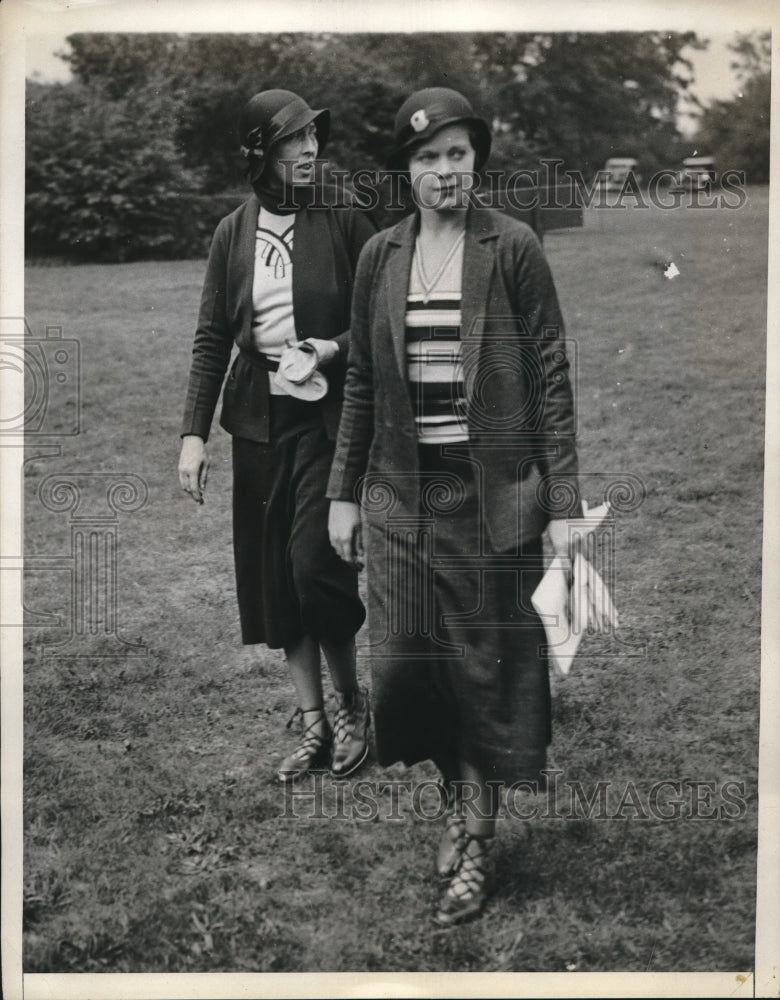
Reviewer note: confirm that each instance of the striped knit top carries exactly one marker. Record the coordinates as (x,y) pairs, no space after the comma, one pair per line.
(433,349)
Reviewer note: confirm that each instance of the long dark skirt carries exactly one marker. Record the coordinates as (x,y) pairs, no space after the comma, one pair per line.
(289,580)
(456,645)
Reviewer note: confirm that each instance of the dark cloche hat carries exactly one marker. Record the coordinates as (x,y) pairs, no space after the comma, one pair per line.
(273,115)
(426,112)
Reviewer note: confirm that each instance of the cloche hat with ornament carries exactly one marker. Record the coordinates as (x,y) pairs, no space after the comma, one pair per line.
(428,111)
(271,116)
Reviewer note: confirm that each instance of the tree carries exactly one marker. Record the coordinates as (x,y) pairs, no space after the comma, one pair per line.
(752,54)
(574,96)
(150,117)
(206,79)
(104,179)
(582,97)
(736,132)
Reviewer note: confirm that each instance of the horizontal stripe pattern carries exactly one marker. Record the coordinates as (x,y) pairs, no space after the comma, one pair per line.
(435,368)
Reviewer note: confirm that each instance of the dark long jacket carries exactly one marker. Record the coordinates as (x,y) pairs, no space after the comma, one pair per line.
(520,408)
(328,238)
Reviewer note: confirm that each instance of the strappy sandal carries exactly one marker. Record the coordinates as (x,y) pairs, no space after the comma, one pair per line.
(312,752)
(465,896)
(350,732)
(452,843)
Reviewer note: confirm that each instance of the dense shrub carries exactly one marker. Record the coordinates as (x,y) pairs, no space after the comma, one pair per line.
(105,180)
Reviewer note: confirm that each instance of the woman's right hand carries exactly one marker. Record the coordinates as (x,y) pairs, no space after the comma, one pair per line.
(346,532)
(193,466)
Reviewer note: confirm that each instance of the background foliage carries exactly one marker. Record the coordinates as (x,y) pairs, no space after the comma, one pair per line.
(99,187)
(739,129)
(138,155)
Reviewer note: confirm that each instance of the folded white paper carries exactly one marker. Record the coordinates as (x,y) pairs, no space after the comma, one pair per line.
(551,600)
(566,612)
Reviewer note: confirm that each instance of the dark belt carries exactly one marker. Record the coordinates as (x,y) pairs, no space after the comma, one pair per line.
(259,360)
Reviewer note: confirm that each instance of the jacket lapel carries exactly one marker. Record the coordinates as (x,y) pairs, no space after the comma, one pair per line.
(246,269)
(478,262)
(399,264)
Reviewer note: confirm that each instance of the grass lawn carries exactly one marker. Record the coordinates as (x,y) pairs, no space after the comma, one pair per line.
(155,839)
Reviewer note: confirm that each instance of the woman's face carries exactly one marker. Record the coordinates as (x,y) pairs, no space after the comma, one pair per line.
(439,167)
(292,159)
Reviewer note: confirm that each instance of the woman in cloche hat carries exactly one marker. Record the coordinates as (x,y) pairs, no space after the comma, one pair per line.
(278,286)
(457,414)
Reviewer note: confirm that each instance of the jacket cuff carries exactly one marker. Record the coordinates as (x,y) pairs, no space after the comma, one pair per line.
(192,425)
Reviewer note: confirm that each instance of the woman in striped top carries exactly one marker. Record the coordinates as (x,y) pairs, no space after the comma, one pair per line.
(457,411)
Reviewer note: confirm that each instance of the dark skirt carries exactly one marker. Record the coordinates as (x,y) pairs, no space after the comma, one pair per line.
(289,580)
(456,646)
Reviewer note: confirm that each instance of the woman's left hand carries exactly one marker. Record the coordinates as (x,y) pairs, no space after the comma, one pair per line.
(326,350)
(346,533)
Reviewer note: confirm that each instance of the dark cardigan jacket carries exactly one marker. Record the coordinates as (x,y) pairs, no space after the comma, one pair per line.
(327,244)
(521,414)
